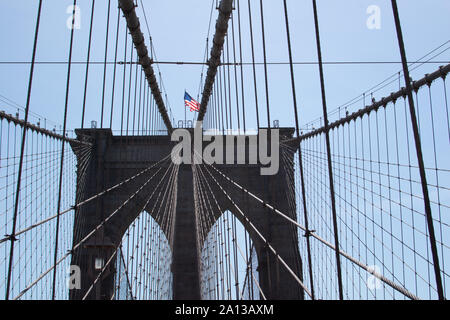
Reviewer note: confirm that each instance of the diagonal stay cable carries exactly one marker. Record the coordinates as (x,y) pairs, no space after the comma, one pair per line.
(82,203)
(22,151)
(294,275)
(262,237)
(120,244)
(248,266)
(362,187)
(202,192)
(99,226)
(203,178)
(124,272)
(378,239)
(392,284)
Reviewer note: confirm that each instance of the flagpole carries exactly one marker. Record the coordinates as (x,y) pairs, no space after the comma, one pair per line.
(184,110)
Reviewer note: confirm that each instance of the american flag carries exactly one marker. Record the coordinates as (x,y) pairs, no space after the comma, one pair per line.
(191,103)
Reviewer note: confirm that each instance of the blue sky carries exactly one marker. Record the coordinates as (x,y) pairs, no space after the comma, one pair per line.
(179,32)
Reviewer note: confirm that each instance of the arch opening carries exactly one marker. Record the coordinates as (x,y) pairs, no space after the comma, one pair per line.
(229,262)
(143,262)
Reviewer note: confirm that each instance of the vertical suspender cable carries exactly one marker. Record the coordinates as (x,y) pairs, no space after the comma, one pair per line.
(302,180)
(124,81)
(22,150)
(129,88)
(420,161)
(135,99)
(104,66)
(225,8)
(253,62)
(330,168)
(241,67)
(61,164)
(115,64)
(265,63)
(235,76)
(128,9)
(87,64)
(229,81)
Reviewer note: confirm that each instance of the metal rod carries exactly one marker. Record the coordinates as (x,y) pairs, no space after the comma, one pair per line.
(302,180)
(330,167)
(61,164)
(87,63)
(104,66)
(226,63)
(423,177)
(22,150)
